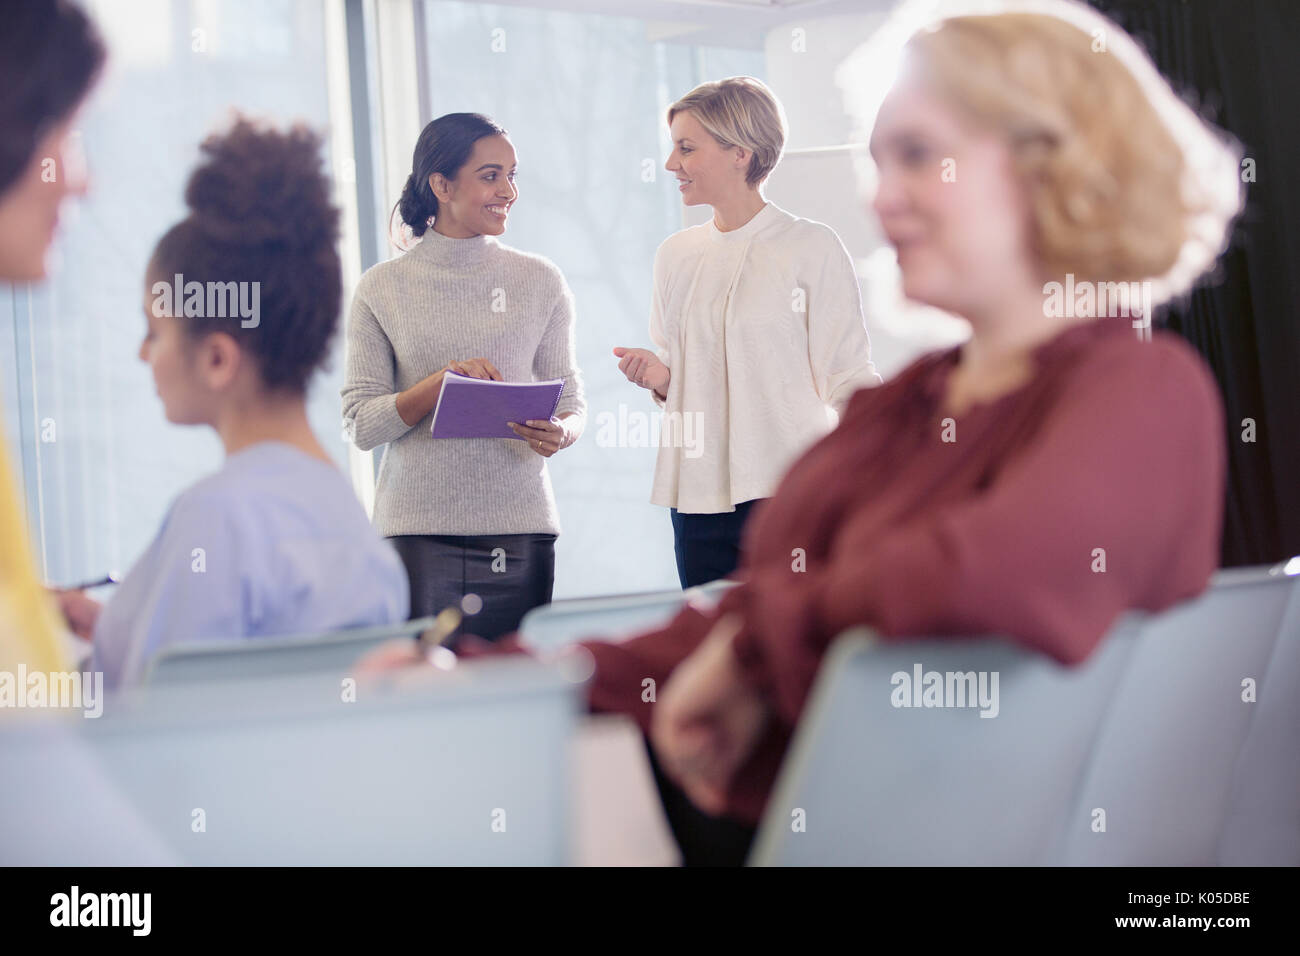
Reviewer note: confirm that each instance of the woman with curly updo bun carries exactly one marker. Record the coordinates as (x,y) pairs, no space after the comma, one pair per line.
(473,519)
(241,301)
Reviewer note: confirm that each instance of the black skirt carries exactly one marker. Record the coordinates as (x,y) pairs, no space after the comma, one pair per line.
(495,579)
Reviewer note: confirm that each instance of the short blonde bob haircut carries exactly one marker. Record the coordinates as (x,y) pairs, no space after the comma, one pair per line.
(1125,181)
(740,111)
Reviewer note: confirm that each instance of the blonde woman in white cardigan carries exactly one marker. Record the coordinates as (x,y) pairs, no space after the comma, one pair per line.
(757,325)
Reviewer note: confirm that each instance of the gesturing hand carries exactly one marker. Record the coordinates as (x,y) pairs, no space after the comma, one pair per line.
(642,367)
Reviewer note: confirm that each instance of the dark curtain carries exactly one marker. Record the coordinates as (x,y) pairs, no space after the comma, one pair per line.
(1238,63)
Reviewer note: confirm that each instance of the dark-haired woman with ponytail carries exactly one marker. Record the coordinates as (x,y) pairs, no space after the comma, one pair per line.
(473,519)
(241,301)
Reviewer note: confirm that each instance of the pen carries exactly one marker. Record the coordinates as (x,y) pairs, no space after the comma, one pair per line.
(109,578)
(444,626)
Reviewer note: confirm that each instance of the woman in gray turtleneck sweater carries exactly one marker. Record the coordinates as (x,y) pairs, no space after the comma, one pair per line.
(473,519)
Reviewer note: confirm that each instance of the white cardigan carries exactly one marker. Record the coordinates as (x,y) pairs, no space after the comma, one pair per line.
(762,328)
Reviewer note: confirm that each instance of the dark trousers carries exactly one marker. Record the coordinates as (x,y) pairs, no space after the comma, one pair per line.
(708,545)
(495,579)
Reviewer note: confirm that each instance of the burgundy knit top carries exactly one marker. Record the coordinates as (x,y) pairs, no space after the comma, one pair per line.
(996,521)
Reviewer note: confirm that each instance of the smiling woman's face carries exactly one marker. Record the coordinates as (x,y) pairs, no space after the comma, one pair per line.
(706,170)
(478,201)
(949,203)
(29,209)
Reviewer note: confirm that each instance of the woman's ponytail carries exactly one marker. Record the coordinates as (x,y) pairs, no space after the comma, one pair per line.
(417,205)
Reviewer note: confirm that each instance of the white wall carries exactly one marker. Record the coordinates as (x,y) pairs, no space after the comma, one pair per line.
(817,179)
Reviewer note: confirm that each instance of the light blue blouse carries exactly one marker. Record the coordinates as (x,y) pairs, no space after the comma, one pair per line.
(275,543)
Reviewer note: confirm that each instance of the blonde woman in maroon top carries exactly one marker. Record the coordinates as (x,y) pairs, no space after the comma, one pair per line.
(1018,167)
(970,494)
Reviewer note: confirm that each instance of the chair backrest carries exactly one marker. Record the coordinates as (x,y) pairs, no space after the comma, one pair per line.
(1263,820)
(469,769)
(615,618)
(1162,765)
(1152,729)
(870,781)
(334,652)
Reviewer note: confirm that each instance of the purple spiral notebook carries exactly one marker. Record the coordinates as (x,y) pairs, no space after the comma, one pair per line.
(479,408)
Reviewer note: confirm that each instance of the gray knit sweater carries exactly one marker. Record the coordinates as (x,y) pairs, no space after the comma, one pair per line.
(447,300)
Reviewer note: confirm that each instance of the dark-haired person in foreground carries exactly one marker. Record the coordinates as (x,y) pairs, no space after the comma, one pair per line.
(50,56)
(275,542)
(473,519)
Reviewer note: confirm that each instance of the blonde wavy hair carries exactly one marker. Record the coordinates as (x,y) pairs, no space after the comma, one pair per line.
(740,111)
(1125,181)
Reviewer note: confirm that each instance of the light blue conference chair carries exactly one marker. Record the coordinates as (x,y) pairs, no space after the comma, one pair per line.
(334,652)
(1263,820)
(1162,766)
(1150,729)
(615,618)
(468,768)
(866,782)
